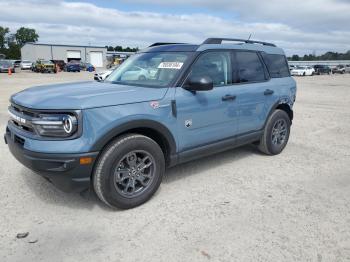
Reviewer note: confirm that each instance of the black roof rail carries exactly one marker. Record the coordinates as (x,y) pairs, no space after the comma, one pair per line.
(161,43)
(219,41)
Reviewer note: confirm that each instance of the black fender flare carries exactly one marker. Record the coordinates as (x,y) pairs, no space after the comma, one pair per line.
(136,124)
(275,106)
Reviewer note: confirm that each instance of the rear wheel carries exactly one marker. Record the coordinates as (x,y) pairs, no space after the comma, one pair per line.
(129,171)
(276,133)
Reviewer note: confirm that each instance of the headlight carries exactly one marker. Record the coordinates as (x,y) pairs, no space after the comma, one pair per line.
(56,125)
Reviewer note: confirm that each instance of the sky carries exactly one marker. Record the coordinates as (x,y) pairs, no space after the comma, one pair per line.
(298,26)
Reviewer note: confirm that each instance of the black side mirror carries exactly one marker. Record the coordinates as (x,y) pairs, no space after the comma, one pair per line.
(199,83)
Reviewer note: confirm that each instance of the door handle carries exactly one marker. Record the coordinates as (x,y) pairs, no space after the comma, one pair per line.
(268,92)
(228,98)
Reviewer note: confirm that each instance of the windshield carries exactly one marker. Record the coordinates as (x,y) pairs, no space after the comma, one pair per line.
(149,69)
(5,63)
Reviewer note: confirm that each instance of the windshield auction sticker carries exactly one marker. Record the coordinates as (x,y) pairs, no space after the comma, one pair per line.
(170,65)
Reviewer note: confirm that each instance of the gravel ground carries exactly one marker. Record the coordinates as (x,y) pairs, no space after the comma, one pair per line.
(235,206)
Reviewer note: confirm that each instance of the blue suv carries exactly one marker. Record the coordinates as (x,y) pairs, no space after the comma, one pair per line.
(165,105)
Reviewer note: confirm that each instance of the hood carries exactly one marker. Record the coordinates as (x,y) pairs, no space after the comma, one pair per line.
(82,95)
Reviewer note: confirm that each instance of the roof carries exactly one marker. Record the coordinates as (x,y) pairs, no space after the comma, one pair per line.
(85,46)
(215,44)
(172,48)
(248,46)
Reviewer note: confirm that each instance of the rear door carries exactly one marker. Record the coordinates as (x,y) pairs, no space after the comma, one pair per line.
(251,89)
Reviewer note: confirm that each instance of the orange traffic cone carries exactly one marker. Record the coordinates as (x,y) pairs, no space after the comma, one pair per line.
(9,71)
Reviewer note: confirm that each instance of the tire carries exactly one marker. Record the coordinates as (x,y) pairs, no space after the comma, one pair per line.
(267,143)
(116,156)
(142,78)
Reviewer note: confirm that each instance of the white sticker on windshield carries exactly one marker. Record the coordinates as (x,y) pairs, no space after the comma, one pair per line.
(170,65)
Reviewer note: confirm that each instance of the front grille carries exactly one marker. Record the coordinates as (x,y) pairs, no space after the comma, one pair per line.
(22,118)
(22,111)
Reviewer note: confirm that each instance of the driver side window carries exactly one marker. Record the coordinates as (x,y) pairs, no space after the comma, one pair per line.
(216,65)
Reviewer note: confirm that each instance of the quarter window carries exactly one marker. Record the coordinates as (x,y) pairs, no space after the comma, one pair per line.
(277,65)
(250,68)
(216,65)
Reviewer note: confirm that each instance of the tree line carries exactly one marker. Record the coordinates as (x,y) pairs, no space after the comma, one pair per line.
(11,43)
(326,56)
(119,48)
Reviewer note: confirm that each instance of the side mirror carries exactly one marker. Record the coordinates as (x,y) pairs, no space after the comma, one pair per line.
(199,83)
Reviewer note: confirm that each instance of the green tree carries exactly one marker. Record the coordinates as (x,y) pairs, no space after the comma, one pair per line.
(24,35)
(13,51)
(295,58)
(3,32)
(118,48)
(110,48)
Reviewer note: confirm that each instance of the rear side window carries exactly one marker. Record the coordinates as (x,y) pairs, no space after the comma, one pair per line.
(276,65)
(250,68)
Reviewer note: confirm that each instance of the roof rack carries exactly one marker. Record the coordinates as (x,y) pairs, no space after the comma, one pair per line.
(219,41)
(161,43)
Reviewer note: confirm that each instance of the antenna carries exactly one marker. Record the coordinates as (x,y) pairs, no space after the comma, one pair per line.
(249,37)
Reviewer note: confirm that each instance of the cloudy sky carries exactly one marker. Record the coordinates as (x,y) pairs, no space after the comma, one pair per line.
(299,26)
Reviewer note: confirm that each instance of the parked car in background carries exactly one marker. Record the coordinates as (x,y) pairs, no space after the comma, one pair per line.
(5,65)
(33,67)
(291,67)
(44,66)
(17,63)
(59,63)
(119,136)
(100,76)
(302,71)
(87,67)
(26,65)
(341,69)
(72,67)
(322,69)
(136,73)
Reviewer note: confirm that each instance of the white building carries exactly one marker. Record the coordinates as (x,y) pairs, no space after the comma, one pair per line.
(96,55)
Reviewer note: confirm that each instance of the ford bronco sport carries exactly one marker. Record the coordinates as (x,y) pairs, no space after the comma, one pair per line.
(118,136)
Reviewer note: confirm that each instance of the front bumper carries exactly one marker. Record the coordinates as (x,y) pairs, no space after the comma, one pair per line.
(63,170)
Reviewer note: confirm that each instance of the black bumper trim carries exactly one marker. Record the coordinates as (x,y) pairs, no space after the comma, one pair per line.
(63,170)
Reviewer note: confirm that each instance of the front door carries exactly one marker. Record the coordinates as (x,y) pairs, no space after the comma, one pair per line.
(205,117)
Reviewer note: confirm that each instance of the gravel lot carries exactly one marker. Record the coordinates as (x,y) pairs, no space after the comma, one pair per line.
(235,206)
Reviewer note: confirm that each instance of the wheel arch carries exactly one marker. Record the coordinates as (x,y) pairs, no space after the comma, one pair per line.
(282,105)
(285,107)
(150,128)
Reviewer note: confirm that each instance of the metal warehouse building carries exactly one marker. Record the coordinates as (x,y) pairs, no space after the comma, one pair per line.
(96,55)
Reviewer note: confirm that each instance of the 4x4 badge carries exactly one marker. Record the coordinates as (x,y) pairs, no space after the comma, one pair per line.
(188,123)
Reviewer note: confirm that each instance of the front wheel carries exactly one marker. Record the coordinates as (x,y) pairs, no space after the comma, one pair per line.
(129,171)
(276,133)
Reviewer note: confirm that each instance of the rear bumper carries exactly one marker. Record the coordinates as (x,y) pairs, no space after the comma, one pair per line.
(63,170)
